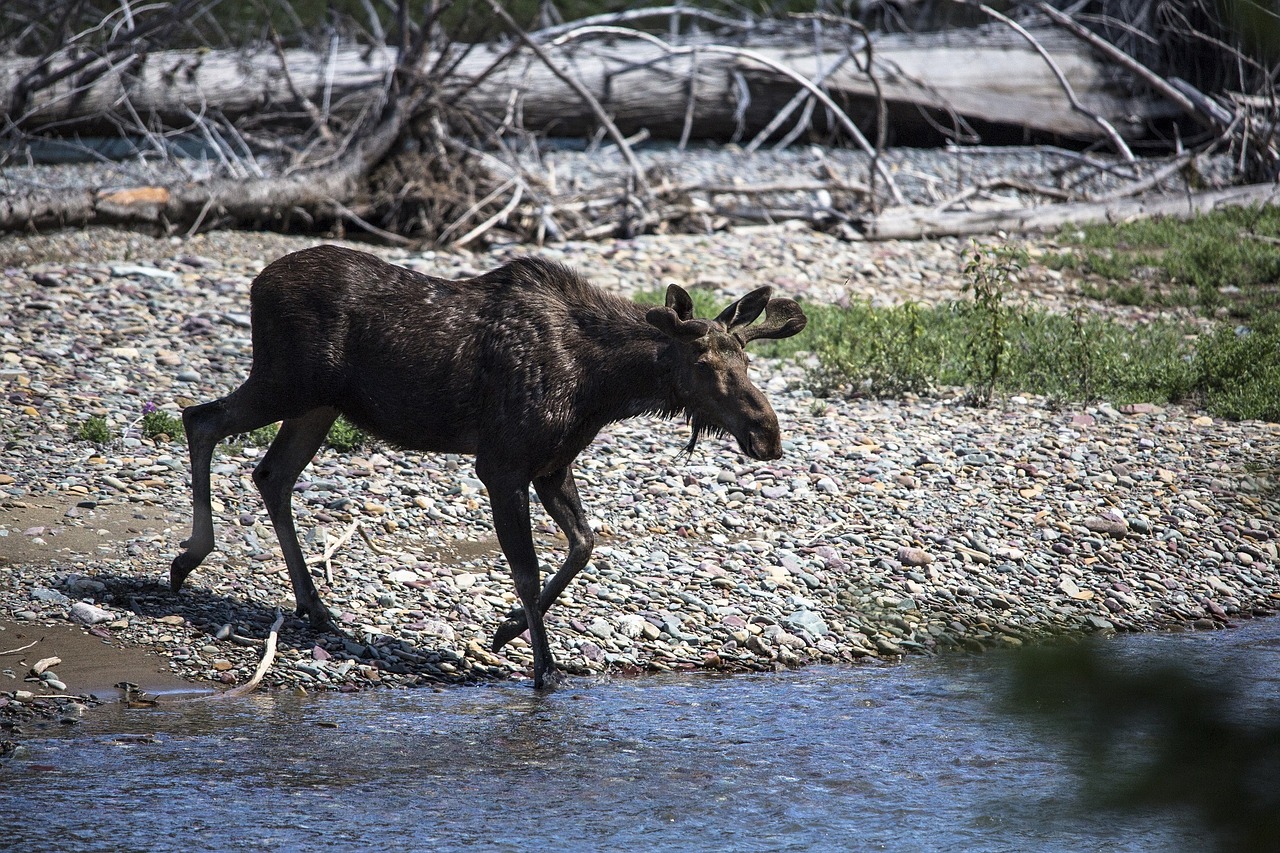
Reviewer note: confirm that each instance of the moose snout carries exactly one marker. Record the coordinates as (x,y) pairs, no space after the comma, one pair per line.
(760,437)
(762,444)
(763,447)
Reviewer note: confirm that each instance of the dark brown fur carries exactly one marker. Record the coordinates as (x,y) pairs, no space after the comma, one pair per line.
(520,367)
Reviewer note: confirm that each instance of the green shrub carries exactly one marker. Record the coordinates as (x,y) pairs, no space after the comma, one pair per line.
(1238,369)
(94,428)
(988,272)
(879,352)
(156,423)
(264,435)
(344,436)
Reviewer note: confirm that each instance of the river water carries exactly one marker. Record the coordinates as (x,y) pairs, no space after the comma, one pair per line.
(911,757)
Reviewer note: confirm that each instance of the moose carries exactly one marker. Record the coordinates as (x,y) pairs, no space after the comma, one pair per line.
(520,367)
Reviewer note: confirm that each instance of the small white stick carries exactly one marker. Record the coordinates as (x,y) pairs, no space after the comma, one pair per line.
(268,656)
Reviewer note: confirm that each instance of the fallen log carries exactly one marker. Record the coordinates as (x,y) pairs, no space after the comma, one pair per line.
(267,201)
(985,75)
(918,223)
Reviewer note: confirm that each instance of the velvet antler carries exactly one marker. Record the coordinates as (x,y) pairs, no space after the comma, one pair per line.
(782,319)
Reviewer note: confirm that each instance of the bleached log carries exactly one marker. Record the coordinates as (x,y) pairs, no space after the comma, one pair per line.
(978,74)
(917,223)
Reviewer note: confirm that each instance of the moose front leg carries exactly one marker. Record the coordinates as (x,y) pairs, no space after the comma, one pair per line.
(246,408)
(509,499)
(559,494)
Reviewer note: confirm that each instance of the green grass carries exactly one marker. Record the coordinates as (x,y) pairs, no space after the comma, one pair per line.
(883,352)
(990,348)
(1226,260)
(343,436)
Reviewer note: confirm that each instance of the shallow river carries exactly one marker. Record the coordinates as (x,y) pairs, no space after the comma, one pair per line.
(914,757)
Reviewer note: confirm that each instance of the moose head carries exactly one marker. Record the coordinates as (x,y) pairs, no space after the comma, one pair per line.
(708,361)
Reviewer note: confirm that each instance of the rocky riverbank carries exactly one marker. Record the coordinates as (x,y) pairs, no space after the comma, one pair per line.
(888,527)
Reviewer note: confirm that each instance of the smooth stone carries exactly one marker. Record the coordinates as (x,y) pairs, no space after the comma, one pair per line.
(914,556)
(88,614)
(808,621)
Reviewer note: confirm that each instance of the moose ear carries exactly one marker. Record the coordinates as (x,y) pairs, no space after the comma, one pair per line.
(665,320)
(783,318)
(679,301)
(746,309)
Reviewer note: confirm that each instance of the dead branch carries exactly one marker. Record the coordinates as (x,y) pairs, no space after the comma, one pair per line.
(752,56)
(500,216)
(1158,177)
(268,657)
(616,18)
(581,90)
(20,649)
(1120,57)
(331,548)
(984,187)
(796,100)
(368,540)
(1067,88)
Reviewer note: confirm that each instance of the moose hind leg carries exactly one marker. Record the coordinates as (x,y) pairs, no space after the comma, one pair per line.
(205,425)
(509,498)
(559,494)
(294,446)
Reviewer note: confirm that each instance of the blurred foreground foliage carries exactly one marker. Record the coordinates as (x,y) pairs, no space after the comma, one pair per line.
(1158,735)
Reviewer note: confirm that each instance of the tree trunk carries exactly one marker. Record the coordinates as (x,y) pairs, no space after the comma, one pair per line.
(983,76)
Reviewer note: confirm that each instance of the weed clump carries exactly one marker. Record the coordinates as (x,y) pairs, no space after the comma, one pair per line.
(94,429)
(157,424)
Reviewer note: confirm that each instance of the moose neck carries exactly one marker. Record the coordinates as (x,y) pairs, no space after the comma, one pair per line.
(628,373)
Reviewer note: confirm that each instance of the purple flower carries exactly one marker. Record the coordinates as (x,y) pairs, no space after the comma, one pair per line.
(149,407)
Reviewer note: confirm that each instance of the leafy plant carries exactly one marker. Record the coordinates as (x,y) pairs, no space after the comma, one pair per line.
(94,428)
(156,423)
(880,352)
(989,271)
(264,435)
(344,436)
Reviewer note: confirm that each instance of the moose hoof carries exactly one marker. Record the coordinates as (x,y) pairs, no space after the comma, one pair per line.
(548,680)
(508,631)
(319,617)
(183,565)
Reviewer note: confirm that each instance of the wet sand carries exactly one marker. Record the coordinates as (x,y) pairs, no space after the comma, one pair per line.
(90,664)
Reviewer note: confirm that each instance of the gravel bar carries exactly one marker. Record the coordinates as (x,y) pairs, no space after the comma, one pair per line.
(887,528)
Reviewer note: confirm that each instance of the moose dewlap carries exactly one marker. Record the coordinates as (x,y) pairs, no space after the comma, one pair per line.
(520,367)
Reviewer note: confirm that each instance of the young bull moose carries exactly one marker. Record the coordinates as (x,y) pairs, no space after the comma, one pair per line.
(521,367)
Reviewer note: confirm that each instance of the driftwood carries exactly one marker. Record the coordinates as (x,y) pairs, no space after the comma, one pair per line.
(341,130)
(912,224)
(264,664)
(20,649)
(267,200)
(987,75)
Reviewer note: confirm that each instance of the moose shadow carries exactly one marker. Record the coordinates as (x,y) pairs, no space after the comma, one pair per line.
(250,623)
